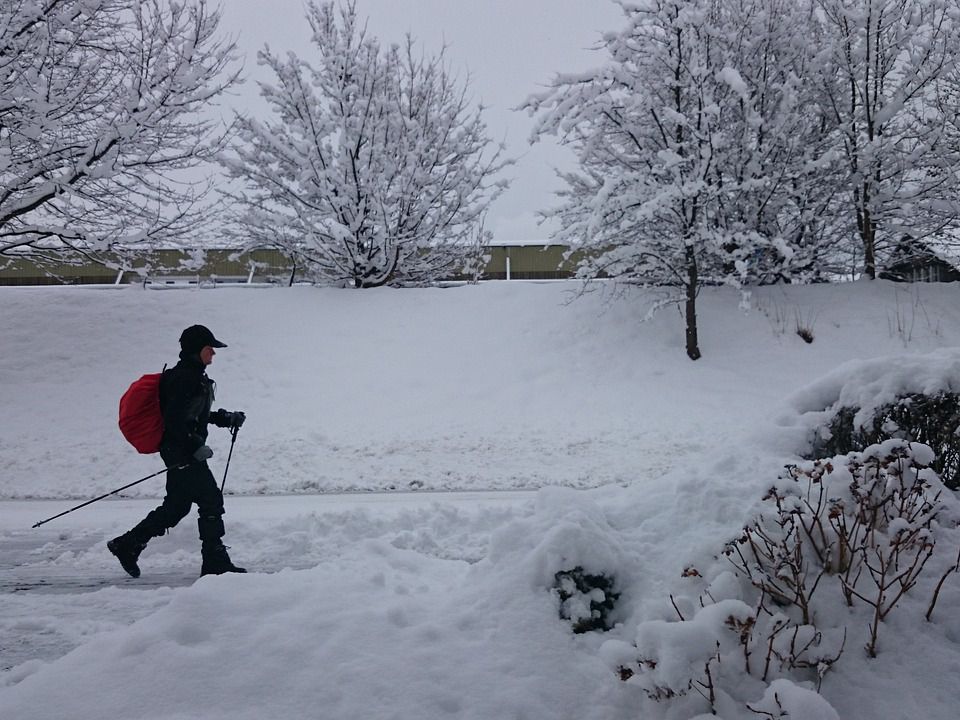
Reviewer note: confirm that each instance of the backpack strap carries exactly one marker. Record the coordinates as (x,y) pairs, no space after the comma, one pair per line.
(160,386)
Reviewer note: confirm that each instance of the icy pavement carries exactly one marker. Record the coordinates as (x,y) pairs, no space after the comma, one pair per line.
(59,585)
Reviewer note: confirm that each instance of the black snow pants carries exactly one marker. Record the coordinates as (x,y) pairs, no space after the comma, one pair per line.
(192,484)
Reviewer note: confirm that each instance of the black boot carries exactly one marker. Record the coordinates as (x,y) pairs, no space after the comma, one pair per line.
(216,561)
(127,549)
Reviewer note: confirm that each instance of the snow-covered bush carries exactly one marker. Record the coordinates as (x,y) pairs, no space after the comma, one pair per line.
(785,700)
(930,419)
(568,549)
(862,403)
(672,659)
(586,600)
(723,654)
(861,521)
(834,547)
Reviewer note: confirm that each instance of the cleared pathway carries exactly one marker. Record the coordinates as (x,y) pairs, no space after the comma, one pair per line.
(59,585)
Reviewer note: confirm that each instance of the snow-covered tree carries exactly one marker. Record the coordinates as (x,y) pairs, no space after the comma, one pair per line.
(103,109)
(375,169)
(694,148)
(884,68)
(778,149)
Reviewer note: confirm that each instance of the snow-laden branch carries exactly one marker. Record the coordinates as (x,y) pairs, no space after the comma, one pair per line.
(104,113)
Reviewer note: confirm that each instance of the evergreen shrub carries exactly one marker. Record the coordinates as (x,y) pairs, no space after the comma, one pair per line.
(586,600)
(933,420)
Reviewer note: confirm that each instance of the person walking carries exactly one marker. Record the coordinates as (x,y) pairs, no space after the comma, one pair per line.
(186,396)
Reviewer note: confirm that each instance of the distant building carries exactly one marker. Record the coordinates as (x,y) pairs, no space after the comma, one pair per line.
(528,261)
(928,260)
(517,261)
(165,266)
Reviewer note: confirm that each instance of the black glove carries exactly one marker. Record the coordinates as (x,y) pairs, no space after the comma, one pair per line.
(225,419)
(203,453)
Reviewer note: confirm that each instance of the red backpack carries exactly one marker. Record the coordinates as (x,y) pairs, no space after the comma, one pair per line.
(141,420)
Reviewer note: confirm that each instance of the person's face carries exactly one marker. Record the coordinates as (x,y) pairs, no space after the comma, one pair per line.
(206,355)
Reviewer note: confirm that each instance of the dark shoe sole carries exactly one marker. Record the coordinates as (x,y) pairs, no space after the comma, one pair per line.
(222,572)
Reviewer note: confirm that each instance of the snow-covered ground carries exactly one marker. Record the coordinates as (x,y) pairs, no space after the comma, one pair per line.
(432,599)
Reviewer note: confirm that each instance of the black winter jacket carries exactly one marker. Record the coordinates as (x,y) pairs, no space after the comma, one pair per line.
(186,394)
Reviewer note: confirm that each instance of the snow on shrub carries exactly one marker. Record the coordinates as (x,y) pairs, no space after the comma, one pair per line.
(868,384)
(930,419)
(674,658)
(569,548)
(862,403)
(862,521)
(586,600)
(834,547)
(785,701)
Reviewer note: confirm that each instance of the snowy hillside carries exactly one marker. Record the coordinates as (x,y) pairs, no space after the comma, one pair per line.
(492,386)
(427,608)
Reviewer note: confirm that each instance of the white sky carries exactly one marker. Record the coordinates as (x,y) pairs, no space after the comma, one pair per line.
(510,48)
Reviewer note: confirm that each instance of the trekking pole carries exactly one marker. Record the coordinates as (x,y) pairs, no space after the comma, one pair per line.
(112,492)
(233,439)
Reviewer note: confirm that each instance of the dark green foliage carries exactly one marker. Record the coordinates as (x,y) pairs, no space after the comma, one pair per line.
(586,600)
(930,419)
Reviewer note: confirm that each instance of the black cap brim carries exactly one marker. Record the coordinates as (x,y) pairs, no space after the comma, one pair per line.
(217,344)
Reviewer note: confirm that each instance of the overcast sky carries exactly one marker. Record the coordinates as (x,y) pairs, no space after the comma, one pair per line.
(510,48)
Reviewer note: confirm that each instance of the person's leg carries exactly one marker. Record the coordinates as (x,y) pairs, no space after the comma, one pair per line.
(175,506)
(209,502)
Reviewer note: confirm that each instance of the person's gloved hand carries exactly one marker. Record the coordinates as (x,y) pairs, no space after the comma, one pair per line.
(203,453)
(223,418)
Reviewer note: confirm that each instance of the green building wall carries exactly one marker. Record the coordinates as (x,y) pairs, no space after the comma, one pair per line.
(513,262)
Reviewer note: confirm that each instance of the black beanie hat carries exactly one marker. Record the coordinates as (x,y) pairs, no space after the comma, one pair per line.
(196,337)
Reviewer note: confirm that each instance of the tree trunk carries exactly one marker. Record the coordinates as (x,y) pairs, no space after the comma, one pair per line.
(868,234)
(373,277)
(693,344)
